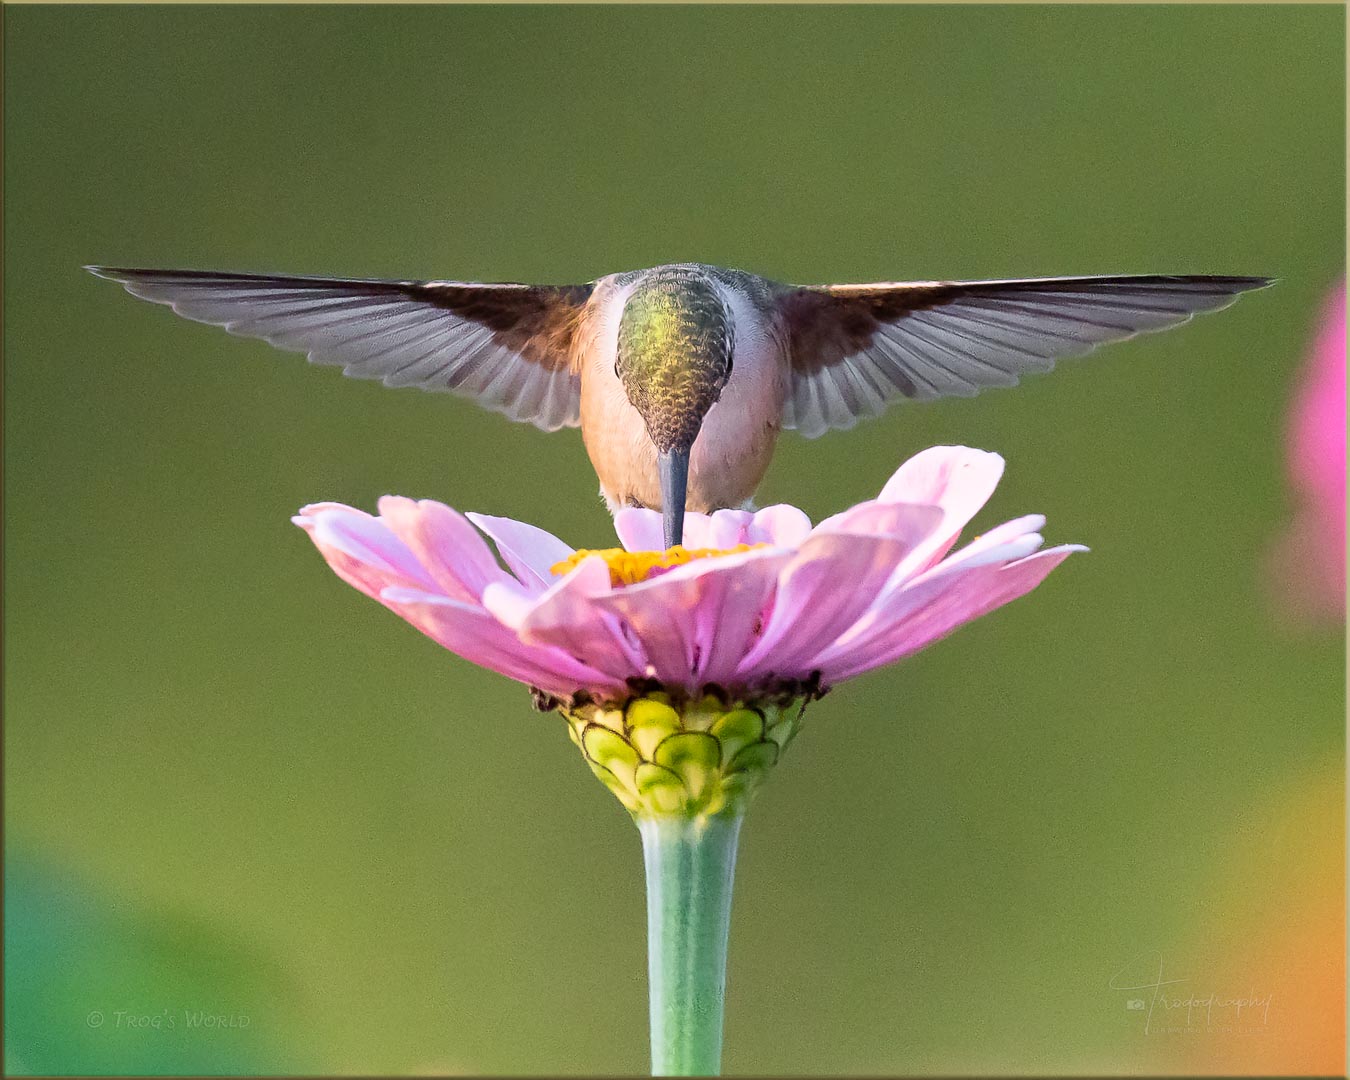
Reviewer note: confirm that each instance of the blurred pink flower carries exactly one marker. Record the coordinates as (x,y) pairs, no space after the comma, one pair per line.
(793,606)
(1312,554)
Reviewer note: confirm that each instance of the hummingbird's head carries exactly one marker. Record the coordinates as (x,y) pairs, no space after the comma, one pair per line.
(676,338)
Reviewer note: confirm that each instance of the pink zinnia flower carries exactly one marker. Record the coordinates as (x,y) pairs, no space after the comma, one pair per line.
(761,603)
(1311,558)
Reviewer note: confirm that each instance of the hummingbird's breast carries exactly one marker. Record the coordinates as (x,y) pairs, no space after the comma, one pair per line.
(736,440)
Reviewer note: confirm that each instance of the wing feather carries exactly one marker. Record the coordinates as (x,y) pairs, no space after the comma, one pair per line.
(852,344)
(509,346)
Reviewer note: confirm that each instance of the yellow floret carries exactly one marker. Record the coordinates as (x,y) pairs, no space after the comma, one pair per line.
(630,567)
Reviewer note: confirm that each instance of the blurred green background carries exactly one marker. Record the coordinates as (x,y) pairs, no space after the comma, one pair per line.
(235,788)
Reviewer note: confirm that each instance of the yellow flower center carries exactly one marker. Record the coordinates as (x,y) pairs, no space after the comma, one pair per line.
(630,567)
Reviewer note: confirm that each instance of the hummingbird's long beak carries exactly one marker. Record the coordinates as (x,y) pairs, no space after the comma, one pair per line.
(674,466)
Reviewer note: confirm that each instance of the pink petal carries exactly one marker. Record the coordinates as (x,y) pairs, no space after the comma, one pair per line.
(313,509)
(509,602)
(1058,550)
(513,604)
(781,525)
(726,529)
(953,477)
(361,550)
(912,521)
(695,622)
(470,632)
(530,552)
(639,529)
(822,592)
(931,609)
(1309,562)
(1012,540)
(710,530)
(956,478)
(566,618)
(1317,429)
(450,549)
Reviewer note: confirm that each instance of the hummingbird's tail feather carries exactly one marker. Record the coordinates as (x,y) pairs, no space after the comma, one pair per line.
(674,466)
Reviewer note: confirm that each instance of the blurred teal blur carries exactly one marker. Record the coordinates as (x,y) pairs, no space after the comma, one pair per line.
(241,796)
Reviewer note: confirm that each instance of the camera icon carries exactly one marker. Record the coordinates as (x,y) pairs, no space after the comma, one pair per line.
(1135,1004)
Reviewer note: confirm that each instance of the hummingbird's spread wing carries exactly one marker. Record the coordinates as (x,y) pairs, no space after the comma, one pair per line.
(854,349)
(508,346)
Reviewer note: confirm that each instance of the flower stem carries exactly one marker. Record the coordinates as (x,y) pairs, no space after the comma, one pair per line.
(691,862)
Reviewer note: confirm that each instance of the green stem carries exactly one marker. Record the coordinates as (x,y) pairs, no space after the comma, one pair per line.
(691,862)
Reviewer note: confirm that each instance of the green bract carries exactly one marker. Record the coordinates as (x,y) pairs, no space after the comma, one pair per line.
(666,758)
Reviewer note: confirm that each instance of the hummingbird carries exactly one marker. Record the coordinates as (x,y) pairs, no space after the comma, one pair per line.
(681,377)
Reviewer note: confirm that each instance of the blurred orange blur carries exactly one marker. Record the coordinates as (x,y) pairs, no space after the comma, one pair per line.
(1285,937)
